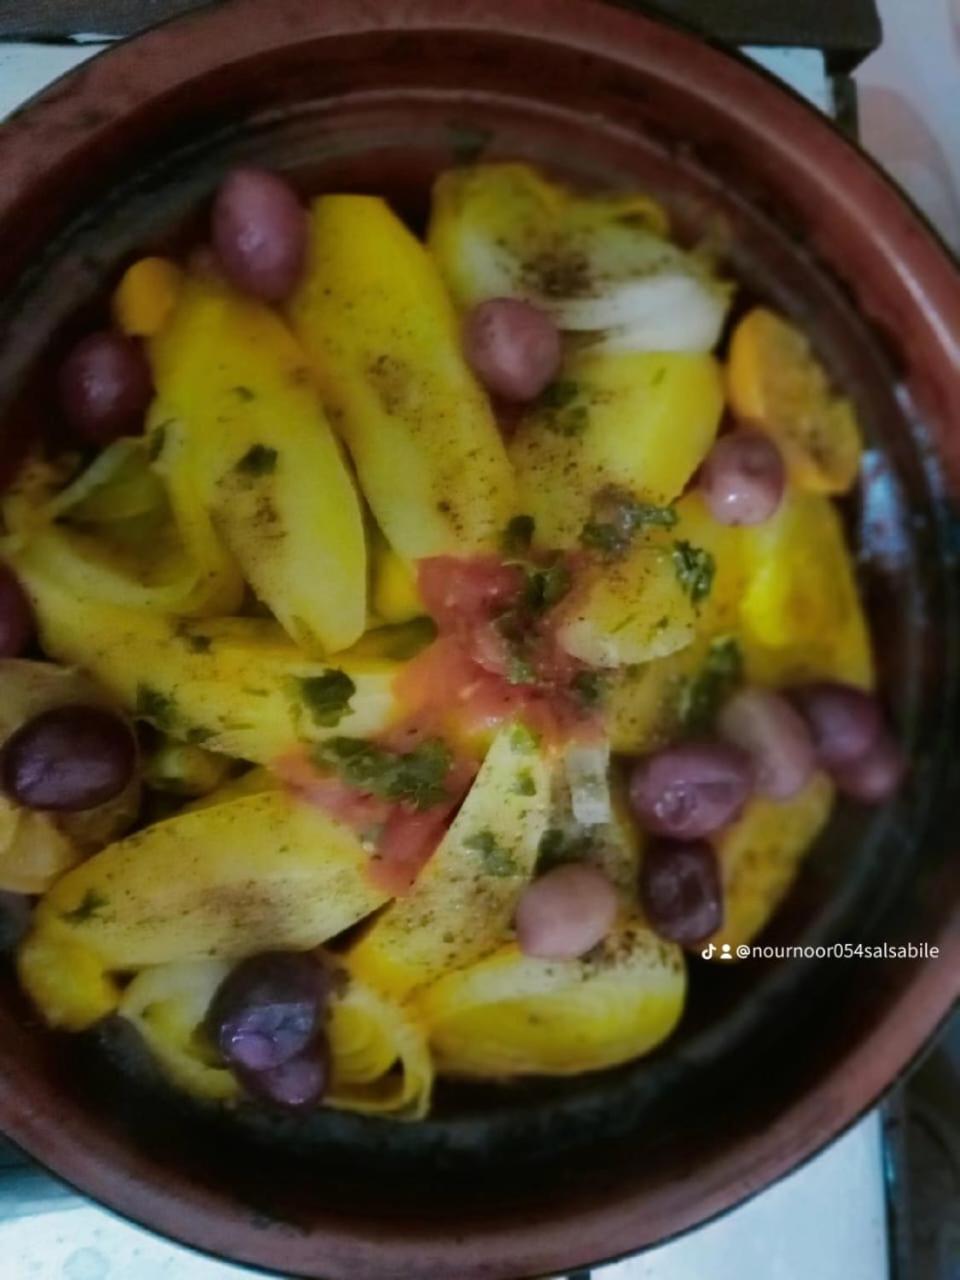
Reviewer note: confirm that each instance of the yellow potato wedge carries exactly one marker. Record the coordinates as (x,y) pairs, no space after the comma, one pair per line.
(383,339)
(238,686)
(512,1015)
(262,460)
(462,903)
(226,881)
(638,422)
(801,616)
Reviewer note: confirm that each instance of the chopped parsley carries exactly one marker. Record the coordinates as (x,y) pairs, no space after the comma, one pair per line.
(524,784)
(695,567)
(702,696)
(560,414)
(568,422)
(520,670)
(416,778)
(259,460)
(90,907)
(198,734)
(496,860)
(156,706)
(517,536)
(617,517)
(546,587)
(559,394)
(328,696)
(590,687)
(558,847)
(244,394)
(523,739)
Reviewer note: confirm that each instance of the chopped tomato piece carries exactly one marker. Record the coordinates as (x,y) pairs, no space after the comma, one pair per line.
(460,592)
(358,810)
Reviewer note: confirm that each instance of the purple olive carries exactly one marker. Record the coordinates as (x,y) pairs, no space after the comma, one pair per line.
(105,387)
(269,1009)
(690,790)
(513,347)
(743,478)
(259,233)
(16,615)
(681,892)
(296,1084)
(875,776)
(775,737)
(68,758)
(845,722)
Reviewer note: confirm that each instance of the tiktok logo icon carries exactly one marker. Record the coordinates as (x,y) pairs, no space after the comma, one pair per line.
(710,950)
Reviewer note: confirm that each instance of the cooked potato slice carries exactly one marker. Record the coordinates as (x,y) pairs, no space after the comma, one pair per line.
(641,423)
(260,458)
(674,582)
(33,850)
(384,342)
(262,872)
(801,614)
(395,597)
(777,384)
(462,903)
(761,854)
(239,686)
(512,1015)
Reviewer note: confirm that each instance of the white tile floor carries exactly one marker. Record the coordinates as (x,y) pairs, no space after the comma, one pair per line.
(824,1222)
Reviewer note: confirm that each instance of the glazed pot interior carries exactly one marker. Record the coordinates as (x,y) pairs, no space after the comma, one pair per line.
(384,112)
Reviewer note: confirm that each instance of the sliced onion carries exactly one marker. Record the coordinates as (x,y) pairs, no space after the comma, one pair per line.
(588,776)
(672,313)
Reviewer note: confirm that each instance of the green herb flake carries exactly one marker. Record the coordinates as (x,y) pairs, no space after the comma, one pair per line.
(198,734)
(590,687)
(259,460)
(623,516)
(328,696)
(546,587)
(520,670)
(244,394)
(523,739)
(89,909)
(156,706)
(570,422)
(559,394)
(417,778)
(695,568)
(702,697)
(517,536)
(496,860)
(603,536)
(524,784)
(558,847)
